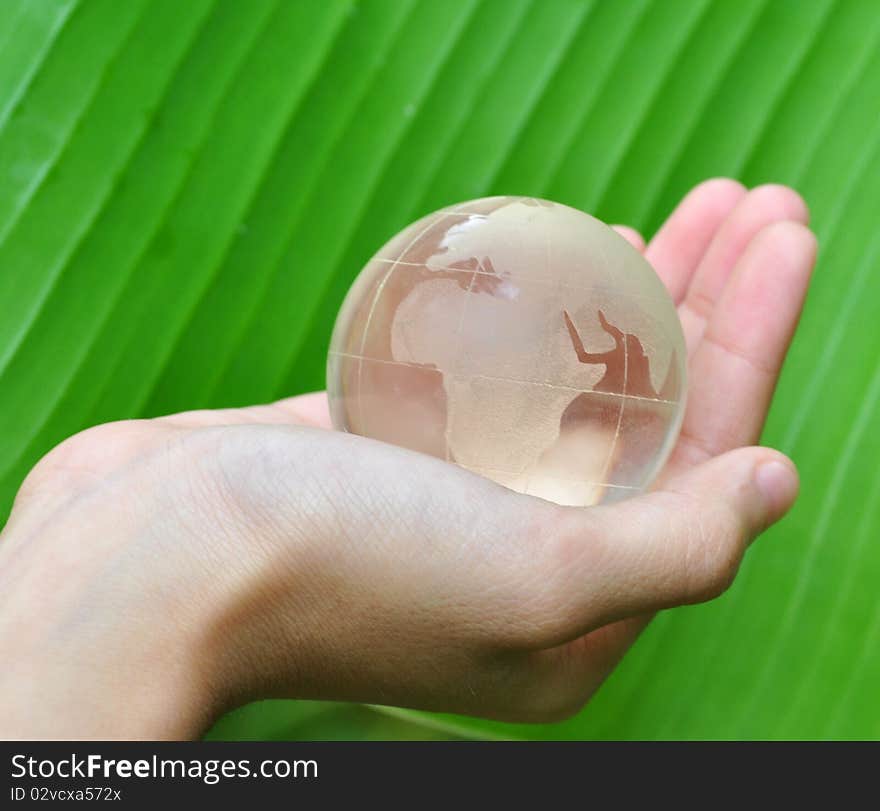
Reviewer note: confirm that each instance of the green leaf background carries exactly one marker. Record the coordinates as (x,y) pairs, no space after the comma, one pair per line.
(188,189)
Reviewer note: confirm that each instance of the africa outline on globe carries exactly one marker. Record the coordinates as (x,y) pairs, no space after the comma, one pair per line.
(521,339)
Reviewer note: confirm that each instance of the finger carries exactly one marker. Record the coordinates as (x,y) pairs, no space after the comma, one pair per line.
(670,547)
(758,209)
(744,346)
(304,409)
(632,236)
(679,245)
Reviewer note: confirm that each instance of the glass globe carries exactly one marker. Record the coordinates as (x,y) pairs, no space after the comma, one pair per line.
(518,338)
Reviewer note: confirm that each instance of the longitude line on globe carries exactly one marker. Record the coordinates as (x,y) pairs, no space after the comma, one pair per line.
(610,460)
(374,303)
(458,338)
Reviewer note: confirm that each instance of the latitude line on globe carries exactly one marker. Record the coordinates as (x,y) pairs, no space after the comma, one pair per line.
(557,386)
(530,279)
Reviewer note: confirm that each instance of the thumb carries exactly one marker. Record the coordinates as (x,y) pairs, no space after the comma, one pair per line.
(681,544)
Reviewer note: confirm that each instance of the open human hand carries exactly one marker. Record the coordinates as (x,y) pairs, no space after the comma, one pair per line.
(154,573)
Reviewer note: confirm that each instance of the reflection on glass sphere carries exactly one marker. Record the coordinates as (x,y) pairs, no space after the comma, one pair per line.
(521,339)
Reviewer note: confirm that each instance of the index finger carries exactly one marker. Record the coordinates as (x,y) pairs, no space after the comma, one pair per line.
(745,343)
(679,245)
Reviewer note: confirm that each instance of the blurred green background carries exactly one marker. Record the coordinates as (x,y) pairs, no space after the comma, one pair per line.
(188,188)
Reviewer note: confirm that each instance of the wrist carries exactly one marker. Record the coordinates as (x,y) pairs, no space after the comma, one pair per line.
(134,604)
(79,664)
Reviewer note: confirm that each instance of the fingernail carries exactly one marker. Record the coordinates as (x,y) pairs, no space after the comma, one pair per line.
(778,483)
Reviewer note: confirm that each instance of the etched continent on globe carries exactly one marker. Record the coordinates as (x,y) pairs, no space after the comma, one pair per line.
(521,339)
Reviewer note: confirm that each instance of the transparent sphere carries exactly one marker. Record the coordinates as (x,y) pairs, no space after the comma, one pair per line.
(521,339)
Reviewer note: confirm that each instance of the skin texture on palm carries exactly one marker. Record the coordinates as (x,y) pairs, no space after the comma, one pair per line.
(168,569)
